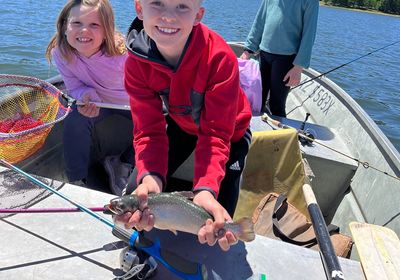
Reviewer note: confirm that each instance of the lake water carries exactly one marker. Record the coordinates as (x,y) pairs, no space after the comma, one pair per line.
(27,25)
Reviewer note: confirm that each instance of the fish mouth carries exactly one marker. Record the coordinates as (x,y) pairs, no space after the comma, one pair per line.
(109,210)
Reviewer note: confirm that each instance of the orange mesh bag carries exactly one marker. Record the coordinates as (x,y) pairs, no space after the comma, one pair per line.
(29,108)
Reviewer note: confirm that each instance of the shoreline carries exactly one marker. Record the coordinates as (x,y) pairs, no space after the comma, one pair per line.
(358,10)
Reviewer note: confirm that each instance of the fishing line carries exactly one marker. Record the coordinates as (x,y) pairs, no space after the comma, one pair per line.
(48,210)
(43,185)
(364,164)
(193,271)
(334,69)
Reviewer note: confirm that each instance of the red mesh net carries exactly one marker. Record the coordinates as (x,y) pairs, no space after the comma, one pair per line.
(29,108)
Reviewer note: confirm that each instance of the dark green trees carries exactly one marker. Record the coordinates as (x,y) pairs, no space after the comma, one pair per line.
(385,6)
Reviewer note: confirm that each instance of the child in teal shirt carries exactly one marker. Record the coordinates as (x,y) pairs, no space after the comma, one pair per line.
(284,33)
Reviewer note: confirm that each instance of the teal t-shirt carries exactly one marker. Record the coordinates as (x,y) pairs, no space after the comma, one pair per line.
(285,27)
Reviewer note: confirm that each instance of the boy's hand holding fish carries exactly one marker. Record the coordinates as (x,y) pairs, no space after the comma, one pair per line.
(207,233)
(148,207)
(142,218)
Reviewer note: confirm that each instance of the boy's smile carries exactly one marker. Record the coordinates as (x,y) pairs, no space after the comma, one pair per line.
(169,23)
(168,30)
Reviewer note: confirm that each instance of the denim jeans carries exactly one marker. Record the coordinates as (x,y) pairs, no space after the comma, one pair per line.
(78,139)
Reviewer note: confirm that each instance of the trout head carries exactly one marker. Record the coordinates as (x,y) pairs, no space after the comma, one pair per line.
(121,205)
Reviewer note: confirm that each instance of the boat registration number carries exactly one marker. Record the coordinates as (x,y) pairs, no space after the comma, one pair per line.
(319,96)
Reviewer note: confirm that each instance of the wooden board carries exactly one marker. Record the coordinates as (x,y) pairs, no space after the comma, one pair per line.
(379,250)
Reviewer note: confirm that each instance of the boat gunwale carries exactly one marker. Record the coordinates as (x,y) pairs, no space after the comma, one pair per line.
(387,149)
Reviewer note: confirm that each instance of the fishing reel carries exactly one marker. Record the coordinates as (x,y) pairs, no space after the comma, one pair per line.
(137,265)
(305,136)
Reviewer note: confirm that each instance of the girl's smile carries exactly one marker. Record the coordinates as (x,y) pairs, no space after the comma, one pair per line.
(84,31)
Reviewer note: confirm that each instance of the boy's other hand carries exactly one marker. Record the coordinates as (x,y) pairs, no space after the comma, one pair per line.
(209,232)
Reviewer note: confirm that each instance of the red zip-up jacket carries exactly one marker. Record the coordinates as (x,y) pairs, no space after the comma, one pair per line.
(202,95)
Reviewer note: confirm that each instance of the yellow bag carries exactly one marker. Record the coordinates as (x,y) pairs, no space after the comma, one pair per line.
(273,164)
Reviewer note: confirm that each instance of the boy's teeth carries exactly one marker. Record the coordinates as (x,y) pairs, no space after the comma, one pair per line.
(168,30)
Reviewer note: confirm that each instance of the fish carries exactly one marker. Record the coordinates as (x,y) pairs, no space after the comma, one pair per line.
(176,211)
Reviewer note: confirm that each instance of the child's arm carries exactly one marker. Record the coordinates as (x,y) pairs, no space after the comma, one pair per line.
(76,88)
(310,17)
(256,32)
(150,139)
(218,121)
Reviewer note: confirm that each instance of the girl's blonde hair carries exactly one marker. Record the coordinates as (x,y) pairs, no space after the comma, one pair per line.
(113,44)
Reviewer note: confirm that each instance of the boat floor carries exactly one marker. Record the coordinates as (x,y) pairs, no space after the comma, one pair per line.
(77,246)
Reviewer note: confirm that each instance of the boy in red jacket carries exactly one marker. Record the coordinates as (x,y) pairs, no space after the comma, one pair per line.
(177,61)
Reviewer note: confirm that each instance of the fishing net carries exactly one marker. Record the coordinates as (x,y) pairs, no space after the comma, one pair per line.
(18,192)
(29,108)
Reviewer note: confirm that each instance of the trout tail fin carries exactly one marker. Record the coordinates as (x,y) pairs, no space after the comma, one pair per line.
(244,229)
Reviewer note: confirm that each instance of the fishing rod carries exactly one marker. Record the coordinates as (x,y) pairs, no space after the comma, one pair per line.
(305,137)
(106,105)
(344,64)
(364,164)
(48,210)
(334,69)
(181,267)
(330,261)
(71,101)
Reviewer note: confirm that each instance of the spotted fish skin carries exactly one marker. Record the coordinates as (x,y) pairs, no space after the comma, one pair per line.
(176,212)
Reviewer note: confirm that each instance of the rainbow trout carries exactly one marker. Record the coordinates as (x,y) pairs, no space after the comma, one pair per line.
(176,212)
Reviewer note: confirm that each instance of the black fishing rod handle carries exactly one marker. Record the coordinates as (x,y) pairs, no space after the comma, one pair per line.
(330,261)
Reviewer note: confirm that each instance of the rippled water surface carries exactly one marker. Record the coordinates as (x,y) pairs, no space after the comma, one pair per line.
(373,81)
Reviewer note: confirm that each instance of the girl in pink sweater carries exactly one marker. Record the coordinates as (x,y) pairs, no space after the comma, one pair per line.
(90,56)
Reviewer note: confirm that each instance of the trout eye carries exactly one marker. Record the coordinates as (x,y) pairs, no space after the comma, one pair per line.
(220,233)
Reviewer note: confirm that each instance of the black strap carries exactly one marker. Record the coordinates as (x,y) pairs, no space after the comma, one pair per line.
(281,206)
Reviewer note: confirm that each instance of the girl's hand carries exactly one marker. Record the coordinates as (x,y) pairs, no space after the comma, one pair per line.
(292,78)
(209,233)
(142,219)
(89,109)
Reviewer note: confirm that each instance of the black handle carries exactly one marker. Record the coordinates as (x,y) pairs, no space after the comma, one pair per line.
(329,258)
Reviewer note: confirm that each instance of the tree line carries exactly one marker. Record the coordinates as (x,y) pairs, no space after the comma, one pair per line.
(385,6)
